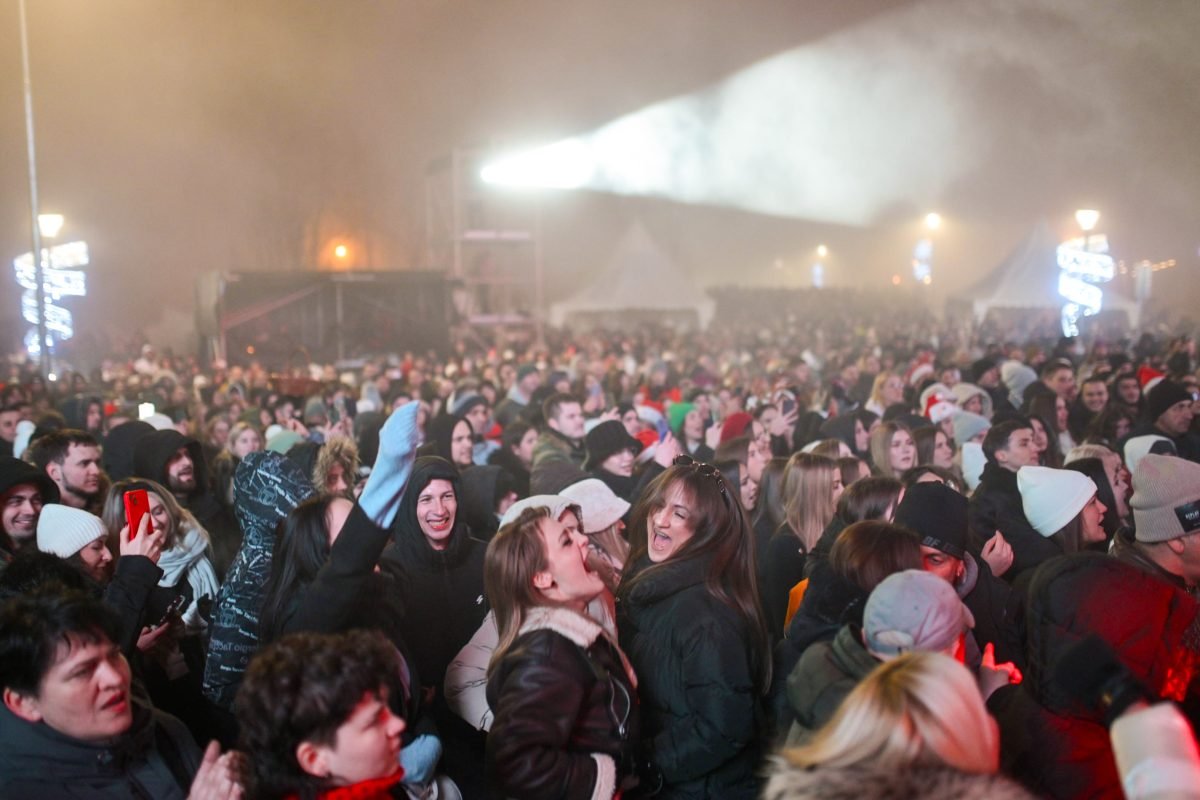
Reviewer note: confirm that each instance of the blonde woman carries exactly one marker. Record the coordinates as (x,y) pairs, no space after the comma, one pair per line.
(887,390)
(812,485)
(915,727)
(186,550)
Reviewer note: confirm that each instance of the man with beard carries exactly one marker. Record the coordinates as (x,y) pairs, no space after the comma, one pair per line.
(72,460)
(24,489)
(177,462)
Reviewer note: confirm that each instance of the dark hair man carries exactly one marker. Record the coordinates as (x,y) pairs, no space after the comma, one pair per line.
(996,504)
(69,722)
(1167,411)
(559,451)
(24,489)
(72,460)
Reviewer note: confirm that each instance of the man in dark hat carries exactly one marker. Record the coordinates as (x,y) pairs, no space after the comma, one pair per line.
(938,514)
(24,489)
(1168,411)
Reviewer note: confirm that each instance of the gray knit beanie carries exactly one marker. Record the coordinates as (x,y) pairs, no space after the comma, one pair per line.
(1166,498)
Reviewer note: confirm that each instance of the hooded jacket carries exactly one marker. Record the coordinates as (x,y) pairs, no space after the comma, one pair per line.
(1054,746)
(701,710)
(14,472)
(119,446)
(827,672)
(155,758)
(266,488)
(478,501)
(152,453)
(441,590)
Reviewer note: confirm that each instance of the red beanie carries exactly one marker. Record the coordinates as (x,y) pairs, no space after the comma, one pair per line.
(735,426)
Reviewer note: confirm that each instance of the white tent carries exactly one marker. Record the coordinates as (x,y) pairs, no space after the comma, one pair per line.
(1028,279)
(639,277)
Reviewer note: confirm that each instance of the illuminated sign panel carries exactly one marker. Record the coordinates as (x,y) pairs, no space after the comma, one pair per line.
(59,280)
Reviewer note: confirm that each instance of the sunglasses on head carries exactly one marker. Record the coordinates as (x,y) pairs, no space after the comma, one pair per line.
(702,468)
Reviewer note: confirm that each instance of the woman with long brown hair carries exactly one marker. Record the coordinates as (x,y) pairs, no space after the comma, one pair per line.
(689,618)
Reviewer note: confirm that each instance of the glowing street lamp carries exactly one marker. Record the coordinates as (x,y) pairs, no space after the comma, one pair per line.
(340,251)
(933,220)
(1087,219)
(50,225)
(822,251)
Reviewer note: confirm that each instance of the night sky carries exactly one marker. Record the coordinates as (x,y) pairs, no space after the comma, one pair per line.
(179,137)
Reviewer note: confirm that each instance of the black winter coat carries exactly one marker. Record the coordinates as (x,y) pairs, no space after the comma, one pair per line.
(702,716)
(156,758)
(996,506)
(566,713)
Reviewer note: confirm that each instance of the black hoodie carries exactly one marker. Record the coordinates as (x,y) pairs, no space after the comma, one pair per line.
(441,590)
(14,472)
(118,448)
(151,454)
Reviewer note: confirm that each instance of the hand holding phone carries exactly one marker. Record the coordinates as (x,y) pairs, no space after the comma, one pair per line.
(137,505)
(174,610)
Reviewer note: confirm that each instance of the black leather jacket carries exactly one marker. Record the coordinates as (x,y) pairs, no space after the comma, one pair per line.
(566,711)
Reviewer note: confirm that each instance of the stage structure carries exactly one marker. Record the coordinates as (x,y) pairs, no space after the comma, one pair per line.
(322,316)
(486,240)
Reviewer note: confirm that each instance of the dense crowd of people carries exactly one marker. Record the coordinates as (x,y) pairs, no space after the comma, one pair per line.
(815,556)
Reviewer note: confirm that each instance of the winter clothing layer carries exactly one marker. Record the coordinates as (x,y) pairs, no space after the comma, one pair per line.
(477,505)
(827,672)
(887,783)
(1048,742)
(119,446)
(151,454)
(441,591)
(701,712)
(155,758)
(782,569)
(996,506)
(566,714)
(266,488)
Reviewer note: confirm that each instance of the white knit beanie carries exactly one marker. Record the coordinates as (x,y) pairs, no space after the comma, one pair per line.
(1137,447)
(1166,498)
(1053,497)
(64,531)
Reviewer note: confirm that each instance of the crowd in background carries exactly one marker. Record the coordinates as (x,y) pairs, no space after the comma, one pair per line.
(812,553)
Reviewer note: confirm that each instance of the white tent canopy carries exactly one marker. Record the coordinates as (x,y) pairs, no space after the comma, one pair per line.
(638,277)
(1027,278)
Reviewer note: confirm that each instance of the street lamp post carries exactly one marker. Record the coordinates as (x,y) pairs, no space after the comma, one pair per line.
(39,273)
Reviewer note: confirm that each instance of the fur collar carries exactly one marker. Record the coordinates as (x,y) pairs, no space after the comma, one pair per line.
(880,783)
(574,627)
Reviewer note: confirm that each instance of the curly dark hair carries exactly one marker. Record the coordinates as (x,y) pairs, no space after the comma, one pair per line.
(301,689)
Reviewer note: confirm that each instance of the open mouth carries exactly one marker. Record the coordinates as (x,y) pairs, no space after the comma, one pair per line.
(117,704)
(660,541)
(438,525)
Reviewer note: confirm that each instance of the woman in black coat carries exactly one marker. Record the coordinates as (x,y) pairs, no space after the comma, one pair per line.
(562,692)
(689,618)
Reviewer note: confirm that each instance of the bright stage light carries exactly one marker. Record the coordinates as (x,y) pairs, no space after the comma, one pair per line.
(565,165)
(818,133)
(933,221)
(1087,218)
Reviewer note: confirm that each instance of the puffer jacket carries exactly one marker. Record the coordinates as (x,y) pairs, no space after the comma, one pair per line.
(702,715)
(1054,746)
(155,758)
(887,783)
(566,713)
(267,486)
